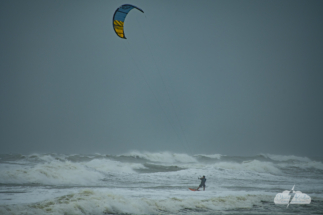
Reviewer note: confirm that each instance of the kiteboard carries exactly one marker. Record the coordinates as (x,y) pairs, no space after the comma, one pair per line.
(192,189)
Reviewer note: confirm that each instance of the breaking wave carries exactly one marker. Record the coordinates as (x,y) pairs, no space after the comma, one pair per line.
(150,183)
(62,172)
(286,158)
(163,157)
(214,156)
(103,202)
(255,166)
(58,169)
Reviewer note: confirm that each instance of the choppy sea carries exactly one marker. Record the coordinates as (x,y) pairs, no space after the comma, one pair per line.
(156,183)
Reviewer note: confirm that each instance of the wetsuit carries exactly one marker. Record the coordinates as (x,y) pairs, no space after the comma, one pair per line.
(203,180)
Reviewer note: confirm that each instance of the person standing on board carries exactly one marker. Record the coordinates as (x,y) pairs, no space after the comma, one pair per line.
(203,180)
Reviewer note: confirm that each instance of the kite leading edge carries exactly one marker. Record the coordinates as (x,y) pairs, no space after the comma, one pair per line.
(119,17)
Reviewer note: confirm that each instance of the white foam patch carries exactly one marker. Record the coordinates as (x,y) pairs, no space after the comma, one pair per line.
(255,165)
(108,166)
(251,166)
(297,162)
(215,156)
(56,172)
(312,164)
(45,157)
(163,157)
(286,157)
(305,165)
(103,202)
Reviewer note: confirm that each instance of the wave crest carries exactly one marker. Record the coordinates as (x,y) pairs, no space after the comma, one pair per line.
(286,158)
(57,172)
(163,157)
(254,166)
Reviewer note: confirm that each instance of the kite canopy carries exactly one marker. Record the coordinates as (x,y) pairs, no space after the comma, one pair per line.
(119,17)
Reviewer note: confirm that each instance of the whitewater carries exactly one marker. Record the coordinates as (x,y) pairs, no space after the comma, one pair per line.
(156,183)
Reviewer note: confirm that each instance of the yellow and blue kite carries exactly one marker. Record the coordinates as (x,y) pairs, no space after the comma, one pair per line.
(119,17)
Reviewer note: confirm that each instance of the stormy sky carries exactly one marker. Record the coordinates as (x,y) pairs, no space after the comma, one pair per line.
(228,77)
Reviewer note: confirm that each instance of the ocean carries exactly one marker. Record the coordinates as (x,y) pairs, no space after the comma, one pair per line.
(156,183)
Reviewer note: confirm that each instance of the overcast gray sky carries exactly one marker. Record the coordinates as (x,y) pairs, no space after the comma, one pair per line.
(228,77)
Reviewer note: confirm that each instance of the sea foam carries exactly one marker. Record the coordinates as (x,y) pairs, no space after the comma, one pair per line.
(90,201)
(164,157)
(57,172)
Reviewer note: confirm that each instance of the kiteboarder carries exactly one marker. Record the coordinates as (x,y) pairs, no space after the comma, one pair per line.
(203,180)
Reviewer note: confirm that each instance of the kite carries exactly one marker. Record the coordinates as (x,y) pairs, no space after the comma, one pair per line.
(119,17)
